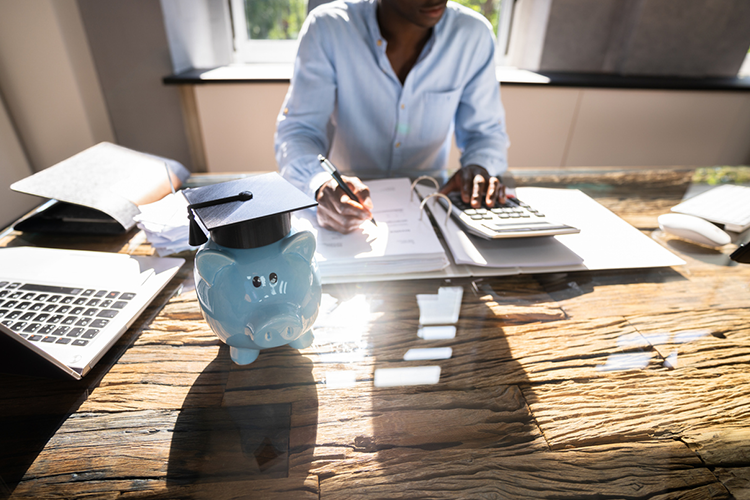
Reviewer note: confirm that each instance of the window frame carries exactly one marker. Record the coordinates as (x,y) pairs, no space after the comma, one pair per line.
(248,51)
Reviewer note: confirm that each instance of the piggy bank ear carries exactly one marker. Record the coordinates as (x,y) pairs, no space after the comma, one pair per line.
(302,244)
(210,262)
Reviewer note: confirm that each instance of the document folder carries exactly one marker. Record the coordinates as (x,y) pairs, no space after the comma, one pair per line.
(98,190)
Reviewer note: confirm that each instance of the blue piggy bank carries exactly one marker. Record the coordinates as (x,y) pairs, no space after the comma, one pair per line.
(258,298)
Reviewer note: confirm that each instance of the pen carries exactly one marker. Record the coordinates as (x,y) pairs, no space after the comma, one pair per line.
(337,177)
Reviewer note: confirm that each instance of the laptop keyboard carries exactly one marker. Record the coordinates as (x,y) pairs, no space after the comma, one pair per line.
(56,314)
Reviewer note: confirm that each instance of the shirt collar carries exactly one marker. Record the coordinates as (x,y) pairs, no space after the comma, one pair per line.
(371,19)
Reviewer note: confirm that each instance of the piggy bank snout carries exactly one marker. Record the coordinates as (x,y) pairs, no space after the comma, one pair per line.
(274,326)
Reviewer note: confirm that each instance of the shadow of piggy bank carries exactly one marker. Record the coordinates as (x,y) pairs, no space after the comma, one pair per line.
(258,298)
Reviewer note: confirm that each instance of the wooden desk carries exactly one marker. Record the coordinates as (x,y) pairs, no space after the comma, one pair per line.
(622,384)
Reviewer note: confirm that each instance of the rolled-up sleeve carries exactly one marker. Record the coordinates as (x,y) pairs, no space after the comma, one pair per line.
(480,117)
(302,123)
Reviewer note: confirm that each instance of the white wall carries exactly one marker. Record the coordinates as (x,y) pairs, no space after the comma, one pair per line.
(13,167)
(548,126)
(48,80)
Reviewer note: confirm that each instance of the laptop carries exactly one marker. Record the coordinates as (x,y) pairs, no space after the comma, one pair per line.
(68,307)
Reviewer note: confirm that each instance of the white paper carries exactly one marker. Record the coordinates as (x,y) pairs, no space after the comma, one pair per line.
(402,241)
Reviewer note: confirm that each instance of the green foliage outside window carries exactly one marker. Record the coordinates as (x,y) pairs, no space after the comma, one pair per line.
(488,8)
(274,19)
(282,19)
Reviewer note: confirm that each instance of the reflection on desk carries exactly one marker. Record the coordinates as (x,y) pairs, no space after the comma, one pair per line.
(589,384)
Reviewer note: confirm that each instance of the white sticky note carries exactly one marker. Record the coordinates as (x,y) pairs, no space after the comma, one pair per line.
(414,375)
(428,353)
(437,332)
(339,379)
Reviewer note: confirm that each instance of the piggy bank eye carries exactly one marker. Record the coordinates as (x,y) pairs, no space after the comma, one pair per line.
(273,278)
(257,282)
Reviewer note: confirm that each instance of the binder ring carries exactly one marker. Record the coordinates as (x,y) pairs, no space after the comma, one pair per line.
(441,195)
(422,178)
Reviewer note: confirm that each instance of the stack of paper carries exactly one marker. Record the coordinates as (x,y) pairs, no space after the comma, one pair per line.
(165,223)
(401,242)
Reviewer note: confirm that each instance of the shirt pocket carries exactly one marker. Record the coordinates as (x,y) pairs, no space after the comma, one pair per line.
(438,111)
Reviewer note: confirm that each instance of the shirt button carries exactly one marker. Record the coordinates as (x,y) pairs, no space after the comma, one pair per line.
(402,106)
(286,110)
(380,42)
(398,144)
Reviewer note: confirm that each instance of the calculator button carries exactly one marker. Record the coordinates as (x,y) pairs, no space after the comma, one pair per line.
(127,296)
(49,340)
(119,304)
(35,338)
(80,342)
(63,340)
(99,323)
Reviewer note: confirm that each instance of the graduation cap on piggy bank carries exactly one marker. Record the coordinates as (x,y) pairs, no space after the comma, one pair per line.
(256,277)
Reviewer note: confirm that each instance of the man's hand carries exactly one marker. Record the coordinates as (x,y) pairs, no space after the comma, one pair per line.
(340,213)
(475,183)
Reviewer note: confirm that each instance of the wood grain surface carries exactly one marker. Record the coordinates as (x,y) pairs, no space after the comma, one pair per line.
(610,384)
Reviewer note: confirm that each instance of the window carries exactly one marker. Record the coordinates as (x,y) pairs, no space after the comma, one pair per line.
(265,31)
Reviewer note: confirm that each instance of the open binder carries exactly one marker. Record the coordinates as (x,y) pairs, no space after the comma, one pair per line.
(445,251)
(98,190)
(404,241)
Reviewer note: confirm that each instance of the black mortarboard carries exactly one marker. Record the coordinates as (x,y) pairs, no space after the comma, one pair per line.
(246,213)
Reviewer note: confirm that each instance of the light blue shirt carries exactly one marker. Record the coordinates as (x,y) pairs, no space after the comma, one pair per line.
(346,102)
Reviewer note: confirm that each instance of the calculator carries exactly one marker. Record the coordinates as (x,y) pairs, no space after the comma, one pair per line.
(513,219)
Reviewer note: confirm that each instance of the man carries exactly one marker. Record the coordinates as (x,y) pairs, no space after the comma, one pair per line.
(379,86)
